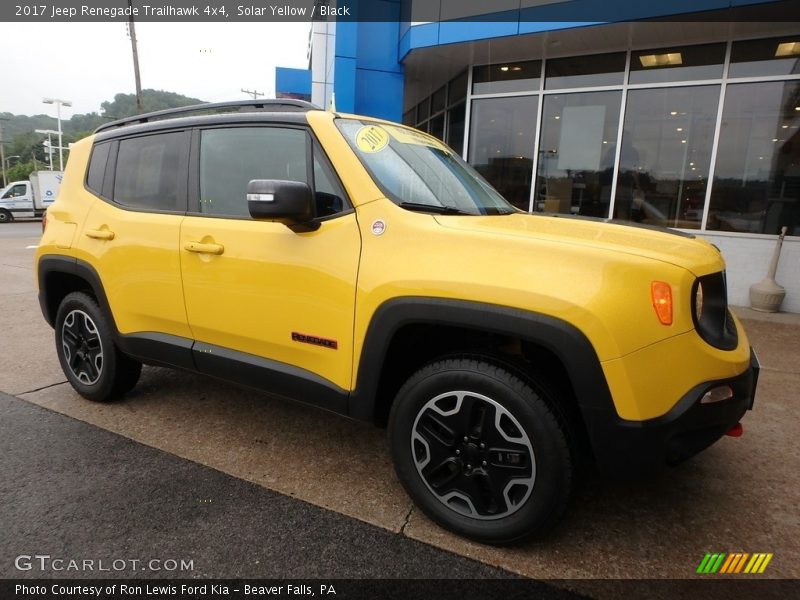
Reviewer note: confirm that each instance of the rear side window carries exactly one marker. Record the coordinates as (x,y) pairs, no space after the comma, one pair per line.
(148,171)
(97,167)
(230,158)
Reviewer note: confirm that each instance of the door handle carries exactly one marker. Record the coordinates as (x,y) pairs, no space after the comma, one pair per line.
(201,248)
(100,234)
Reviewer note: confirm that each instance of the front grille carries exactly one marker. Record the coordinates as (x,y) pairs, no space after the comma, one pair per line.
(715,325)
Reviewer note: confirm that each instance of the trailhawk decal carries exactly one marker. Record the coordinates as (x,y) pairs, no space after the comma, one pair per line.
(315,340)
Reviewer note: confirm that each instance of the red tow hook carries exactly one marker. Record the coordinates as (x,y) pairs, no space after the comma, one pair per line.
(735,431)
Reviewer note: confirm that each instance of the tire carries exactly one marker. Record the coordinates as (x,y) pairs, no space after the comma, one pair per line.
(89,358)
(480,450)
(6,216)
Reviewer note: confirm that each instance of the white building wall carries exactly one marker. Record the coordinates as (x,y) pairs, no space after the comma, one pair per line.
(323,53)
(748,259)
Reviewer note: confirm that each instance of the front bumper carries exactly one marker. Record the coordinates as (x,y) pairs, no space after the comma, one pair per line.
(624,448)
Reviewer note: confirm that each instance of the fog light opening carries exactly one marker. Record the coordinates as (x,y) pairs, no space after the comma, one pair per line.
(717,394)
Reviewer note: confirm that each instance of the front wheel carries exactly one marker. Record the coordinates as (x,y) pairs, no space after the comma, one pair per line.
(89,358)
(480,450)
(6,216)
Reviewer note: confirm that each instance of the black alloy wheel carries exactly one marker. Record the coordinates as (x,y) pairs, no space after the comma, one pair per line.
(90,359)
(481,450)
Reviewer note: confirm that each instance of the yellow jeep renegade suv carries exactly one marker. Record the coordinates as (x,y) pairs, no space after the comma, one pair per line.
(363,267)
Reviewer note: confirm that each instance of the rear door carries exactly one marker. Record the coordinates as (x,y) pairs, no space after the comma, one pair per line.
(262,294)
(130,236)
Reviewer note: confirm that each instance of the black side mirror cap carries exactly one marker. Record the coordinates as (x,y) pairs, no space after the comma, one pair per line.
(288,202)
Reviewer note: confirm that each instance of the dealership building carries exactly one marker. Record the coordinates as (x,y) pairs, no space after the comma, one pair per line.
(684,114)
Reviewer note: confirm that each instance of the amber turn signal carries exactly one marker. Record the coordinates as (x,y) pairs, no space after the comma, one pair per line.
(662,301)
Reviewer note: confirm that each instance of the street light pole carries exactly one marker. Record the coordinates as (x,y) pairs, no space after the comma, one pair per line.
(59,103)
(49,145)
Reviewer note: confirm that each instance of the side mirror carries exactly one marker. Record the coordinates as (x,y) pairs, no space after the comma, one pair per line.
(288,202)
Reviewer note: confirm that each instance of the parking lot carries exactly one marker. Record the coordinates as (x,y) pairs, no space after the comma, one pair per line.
(741,495)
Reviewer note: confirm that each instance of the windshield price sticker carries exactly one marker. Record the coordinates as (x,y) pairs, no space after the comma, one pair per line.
(371,139)
(410,136)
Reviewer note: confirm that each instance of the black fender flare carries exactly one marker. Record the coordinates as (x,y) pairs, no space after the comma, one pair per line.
(53,263)
(563,339)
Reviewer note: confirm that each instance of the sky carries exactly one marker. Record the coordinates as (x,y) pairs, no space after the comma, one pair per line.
(87,63)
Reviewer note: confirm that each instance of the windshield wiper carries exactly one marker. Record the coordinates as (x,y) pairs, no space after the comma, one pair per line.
(439,210)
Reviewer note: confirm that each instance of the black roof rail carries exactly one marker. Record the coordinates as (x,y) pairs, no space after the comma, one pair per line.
(279,105)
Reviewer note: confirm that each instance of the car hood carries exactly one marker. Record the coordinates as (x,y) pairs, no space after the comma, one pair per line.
(658,243)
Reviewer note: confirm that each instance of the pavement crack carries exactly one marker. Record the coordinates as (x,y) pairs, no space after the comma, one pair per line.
(44,387)
(407,519)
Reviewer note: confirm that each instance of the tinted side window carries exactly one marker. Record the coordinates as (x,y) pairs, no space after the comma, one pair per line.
(327,191)
(149,170)
(230,158)
(97,167)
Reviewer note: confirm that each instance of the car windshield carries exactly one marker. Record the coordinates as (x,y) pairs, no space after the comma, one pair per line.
(420,173)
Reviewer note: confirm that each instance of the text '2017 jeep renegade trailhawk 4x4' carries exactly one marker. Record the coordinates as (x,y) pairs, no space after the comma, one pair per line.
(363,267)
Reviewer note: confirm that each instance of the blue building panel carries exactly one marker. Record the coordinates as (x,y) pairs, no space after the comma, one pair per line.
(292,81)
(344,86)
(379,94)
(373,50)
(464,31)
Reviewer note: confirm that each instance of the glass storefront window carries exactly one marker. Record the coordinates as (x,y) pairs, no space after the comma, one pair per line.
(576,156)
(755,58)
(507,77)
(456,120)
(501,144)
(423,110)
(757,175)
(438,100)
(677,64)
(585,71)
(665,155)
(437,126)
(457,88)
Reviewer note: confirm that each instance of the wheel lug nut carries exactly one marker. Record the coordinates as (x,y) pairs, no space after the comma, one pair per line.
(466,439)
(469,467)
(458,452)
(484,463)
(483,445)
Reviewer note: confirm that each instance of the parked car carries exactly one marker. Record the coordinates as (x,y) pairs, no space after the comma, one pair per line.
(361,266)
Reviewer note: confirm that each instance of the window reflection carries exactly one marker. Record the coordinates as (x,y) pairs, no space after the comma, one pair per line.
(576,157)
(757,176)
(755,58)
(665,155)
(677,64)
(507,77)
(501,144)
(585,71)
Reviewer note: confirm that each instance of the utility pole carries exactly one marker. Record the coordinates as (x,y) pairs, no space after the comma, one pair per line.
(3,152)
(253,93)
(132,31)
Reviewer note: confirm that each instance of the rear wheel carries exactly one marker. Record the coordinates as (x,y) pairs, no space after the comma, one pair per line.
(6,216)
(480,450)
(89,358)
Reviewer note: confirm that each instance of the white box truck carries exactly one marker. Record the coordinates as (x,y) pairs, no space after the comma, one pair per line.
(21,199)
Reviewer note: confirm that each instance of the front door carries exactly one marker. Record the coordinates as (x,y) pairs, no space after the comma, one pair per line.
(257,293)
